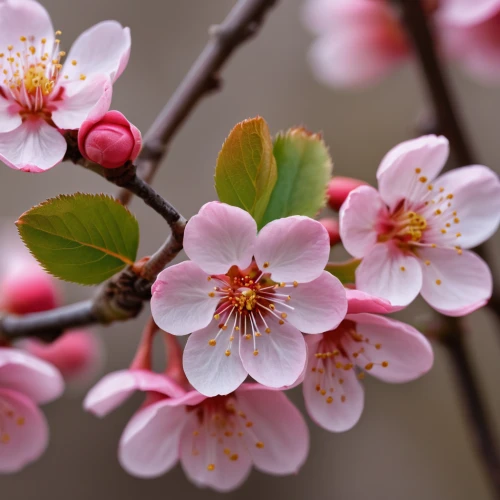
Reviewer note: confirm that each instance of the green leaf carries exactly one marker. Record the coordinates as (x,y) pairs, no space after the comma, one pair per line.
(83,238)
(344,271)
(304,169)
(245,173)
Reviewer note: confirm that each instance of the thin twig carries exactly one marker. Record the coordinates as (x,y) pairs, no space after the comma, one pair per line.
(242,22)
(449,123)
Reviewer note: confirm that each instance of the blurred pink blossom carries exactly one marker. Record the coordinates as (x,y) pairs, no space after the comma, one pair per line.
(414,232)
(363,343)
(40,96)
(25,382)
(247,298)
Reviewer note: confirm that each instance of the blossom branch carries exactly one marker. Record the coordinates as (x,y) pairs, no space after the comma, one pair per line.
(242,22)
(453,339)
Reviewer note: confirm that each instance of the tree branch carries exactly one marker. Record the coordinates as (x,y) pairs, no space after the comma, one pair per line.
(242,22)
(449,123)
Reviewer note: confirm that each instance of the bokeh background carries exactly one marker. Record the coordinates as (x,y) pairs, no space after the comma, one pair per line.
(411,442)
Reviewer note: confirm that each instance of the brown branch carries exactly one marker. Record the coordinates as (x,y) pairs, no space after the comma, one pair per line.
(242,22)
(449,123)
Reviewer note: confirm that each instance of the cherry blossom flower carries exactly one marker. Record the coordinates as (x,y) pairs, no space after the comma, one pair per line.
(216,439)
(25,382)
(39,95)
(363,343)
(413,234)
(247,298)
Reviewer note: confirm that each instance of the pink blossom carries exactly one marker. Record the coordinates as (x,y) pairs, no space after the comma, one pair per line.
(470,33)
(363,343)
(358,42)
(216,439)
(247,298)
(414,232)
(39,95)
(109,140)
(25,382)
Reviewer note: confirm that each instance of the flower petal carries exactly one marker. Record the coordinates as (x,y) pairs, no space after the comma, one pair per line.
(361,302)
(181,303)
(208,368)
(24,373)
(358,219)
(282,431)
(319,305)
(338,410)
(467,13)
(34,146)
(113,389)
(293,249)
(24,18)
(24,435)
(407,168)
(465,281)
(103,49)
(476,200)
(407,352)
(81,99)
(281,354)
(149,445)
(389,273)
(203,450)
(219,237)
(10,118)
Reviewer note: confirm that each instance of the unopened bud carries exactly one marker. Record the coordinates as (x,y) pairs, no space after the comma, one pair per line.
(110,141)
(339,188)
(332,226)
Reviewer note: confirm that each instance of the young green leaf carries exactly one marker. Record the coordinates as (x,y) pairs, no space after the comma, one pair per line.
(344,271)
(245,173)
(82,238)
(304,169)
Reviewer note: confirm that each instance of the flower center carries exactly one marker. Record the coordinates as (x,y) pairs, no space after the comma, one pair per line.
(222,425)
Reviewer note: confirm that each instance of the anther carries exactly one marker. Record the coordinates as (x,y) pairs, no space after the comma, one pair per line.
(329,400)
(265,265)
(295,284)
(228,353)
(422,179)
(211,467)
(403,268)
(369,366)
(283,315)
(385,364)
(259,444)
(212,342)
(438,282)
(256,352)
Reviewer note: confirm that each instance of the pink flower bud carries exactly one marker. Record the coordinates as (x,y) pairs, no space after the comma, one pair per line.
(332,226)
(27,288)
(110,140)
(339,188)
(76,354)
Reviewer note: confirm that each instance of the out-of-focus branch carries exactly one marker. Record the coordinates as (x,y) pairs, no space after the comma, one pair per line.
(242,22)
(450,125)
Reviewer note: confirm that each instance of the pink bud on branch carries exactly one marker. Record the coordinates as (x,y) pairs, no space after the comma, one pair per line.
(339,188)
(332,226)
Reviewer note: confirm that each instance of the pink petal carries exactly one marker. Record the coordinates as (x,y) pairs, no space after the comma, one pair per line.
(465,281)
(113,389)
(407,352)
(208,368)
(340,414)
(149,445)
(358,217)
(361,302)
(281,355)
(389,273)
(35,146)
(406,165)
(278,425)
(200,451)
(467,13)
(29,375)
(319,305)
(24,434)
(10,118)
(219,237)
(24,18)
(180,302)
(293,249)
(93,96)
(476,198)
(103,49)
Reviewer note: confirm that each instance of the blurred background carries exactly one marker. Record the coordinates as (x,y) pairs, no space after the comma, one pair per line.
(411,441)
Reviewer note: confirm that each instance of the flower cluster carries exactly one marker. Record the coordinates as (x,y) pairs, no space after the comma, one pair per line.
(360,41)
